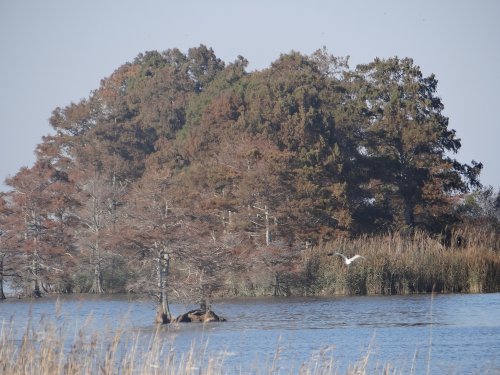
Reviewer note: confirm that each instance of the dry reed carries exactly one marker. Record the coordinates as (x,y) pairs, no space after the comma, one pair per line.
(47,349)
(407,264)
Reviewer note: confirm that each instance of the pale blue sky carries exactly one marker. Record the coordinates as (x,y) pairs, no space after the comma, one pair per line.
(56,51)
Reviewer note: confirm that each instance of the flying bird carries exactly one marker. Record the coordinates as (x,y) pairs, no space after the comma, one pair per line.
(347,260)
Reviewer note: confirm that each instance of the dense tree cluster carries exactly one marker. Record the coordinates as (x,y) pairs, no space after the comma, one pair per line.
(180,168)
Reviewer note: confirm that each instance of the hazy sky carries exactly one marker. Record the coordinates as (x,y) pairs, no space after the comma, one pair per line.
(54,52)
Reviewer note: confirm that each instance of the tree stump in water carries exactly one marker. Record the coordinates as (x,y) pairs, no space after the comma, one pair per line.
(162,318)
(199,316)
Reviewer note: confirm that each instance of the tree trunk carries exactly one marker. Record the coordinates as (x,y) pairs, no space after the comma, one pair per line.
(408,213)
(36,272)
(163,314)
(2,294)
(276,285)
(97,281)
(204,305)
(268,230)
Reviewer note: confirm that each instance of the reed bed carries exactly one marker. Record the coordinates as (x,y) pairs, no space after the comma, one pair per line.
(47,350)
(406,264)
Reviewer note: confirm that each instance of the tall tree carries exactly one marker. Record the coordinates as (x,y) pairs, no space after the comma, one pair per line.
(8,254)
(95,219)
(154,233)
(62,202)
(409,142)
(295,103)
(31,202)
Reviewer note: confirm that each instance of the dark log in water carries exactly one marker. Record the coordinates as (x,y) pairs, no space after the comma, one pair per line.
(199,316)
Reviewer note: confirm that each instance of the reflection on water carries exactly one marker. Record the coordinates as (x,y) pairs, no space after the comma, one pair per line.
(461,331)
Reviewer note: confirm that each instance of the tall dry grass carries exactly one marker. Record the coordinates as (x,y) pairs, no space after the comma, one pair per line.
(47,350)
(404,264)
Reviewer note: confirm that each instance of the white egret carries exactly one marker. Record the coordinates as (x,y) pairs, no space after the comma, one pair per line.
(347,260)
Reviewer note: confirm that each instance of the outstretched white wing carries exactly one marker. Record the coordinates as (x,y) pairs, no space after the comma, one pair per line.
(357,256)
(346,259)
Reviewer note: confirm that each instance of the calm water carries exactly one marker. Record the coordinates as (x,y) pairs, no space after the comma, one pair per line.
(462,331)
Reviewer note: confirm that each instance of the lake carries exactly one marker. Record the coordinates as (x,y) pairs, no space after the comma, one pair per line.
(459,333)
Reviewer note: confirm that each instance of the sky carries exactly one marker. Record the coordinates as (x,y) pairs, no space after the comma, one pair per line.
(55,52)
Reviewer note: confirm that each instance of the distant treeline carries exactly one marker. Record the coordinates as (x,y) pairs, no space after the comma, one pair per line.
(182,173)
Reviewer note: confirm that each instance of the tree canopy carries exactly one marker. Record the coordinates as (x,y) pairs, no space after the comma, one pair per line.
(182,159)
